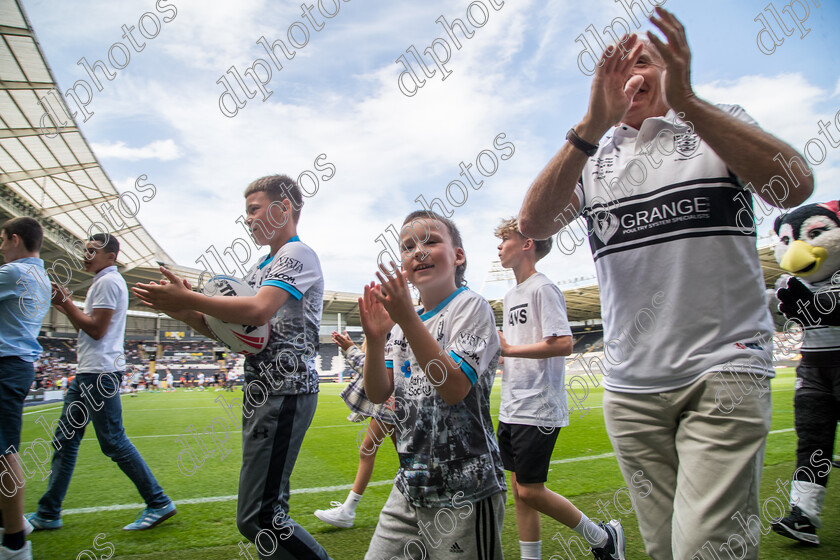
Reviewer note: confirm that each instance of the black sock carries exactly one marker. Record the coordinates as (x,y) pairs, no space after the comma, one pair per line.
(14,541)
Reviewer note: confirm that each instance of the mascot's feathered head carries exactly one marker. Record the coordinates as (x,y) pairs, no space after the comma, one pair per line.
(809,241)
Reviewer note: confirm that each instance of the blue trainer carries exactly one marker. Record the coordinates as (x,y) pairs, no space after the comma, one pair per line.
(41,524)
(151,517)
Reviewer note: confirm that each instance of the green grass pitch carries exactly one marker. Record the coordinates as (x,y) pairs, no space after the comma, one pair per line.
(205,528)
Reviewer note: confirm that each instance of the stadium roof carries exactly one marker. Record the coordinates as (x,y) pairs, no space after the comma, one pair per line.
(51,174)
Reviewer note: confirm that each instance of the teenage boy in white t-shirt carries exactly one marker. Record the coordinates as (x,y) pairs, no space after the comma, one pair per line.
(93,395)
(535,337)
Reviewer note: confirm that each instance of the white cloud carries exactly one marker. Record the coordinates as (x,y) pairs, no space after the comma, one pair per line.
(787,105)
(164,150)
(790,107)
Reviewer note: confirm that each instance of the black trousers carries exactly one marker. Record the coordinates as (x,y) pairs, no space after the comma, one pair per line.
(816,405)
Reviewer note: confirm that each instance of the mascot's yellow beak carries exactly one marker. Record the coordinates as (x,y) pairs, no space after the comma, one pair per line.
(802,259)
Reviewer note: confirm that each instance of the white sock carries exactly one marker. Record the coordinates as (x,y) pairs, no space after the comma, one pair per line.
(594,535)
(351,502)
(530,550)
(809,496)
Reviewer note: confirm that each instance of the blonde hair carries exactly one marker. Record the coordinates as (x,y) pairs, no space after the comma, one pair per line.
(511,225)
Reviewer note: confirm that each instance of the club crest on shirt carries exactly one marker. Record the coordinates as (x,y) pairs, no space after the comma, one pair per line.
(686,144)
(605,225)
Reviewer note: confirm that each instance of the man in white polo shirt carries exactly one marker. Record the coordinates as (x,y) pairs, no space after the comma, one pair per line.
(93,394)
(686,326)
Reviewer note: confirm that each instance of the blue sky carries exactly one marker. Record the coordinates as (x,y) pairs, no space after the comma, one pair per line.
(339,96)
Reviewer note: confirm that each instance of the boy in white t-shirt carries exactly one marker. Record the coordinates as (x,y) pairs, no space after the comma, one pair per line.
(535,338)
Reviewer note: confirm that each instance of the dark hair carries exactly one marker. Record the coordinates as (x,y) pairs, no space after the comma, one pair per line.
(106,242)
(461,269)
(277,188)
(28,229)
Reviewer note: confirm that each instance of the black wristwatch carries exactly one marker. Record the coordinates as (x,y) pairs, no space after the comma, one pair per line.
(580,143)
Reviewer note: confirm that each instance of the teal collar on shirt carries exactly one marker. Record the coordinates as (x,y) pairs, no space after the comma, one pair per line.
(269,256)
(429,314)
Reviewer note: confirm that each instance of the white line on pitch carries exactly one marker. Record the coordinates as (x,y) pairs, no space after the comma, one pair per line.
(584,458)
(350,425)
(93,437)
(317,489)
(212,499)
(557,461)
(42,410)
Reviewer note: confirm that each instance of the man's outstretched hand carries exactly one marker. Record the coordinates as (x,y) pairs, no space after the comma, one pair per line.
(612,93)
(677,56)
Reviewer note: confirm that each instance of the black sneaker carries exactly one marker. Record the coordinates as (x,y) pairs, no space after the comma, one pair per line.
(797,526)
(614,549)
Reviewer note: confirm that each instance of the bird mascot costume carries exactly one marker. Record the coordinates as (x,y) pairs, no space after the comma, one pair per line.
(809,250)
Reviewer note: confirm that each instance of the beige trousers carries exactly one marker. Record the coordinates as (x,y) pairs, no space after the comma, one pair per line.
(692,461)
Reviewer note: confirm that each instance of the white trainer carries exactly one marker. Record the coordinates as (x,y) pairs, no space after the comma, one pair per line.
(24,553)
(336,516)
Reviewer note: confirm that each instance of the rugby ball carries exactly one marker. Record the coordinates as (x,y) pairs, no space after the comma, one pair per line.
(242,339)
